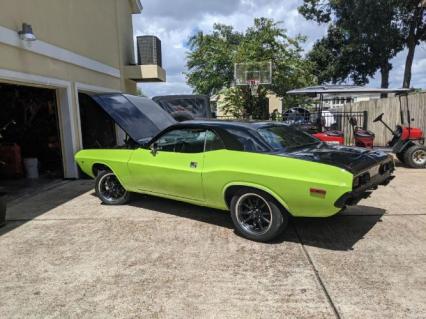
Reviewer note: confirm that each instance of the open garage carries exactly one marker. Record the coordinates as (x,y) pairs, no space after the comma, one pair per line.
(30,142)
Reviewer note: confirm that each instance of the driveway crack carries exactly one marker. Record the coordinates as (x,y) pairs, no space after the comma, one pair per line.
(317,275)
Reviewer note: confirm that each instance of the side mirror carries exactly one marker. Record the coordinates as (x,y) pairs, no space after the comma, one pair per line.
(154,148)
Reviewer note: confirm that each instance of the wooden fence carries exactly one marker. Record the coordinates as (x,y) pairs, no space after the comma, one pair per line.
(390,107)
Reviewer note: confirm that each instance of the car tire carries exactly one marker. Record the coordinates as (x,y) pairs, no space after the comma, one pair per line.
(415,156)
(109,189)
(257,216)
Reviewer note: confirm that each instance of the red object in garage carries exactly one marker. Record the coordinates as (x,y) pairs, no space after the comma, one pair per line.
(10,154)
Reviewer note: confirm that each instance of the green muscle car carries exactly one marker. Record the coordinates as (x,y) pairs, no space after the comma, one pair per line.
(262,172)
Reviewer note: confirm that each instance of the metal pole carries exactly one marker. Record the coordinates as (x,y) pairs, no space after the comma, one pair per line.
(365,120)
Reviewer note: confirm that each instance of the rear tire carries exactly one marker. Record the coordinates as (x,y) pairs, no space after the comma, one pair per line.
(109,189)
(415,156)
(257,216)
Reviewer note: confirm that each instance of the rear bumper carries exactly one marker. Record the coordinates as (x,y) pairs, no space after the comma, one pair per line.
(353,197)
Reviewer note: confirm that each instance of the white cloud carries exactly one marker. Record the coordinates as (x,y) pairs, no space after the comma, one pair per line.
(175,21)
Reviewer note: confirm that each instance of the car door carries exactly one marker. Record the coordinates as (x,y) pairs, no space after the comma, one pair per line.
(174,168)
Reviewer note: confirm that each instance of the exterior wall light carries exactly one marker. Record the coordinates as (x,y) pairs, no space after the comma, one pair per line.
(26,33)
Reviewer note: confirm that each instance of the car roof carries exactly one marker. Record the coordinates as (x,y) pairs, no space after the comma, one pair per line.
(228,124)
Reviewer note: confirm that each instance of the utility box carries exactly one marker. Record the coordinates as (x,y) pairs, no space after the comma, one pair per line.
(149,50)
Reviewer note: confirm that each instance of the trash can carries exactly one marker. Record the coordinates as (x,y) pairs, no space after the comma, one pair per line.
(31,167)
(2,209)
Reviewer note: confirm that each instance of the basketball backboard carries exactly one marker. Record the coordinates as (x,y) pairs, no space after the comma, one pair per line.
(253,72)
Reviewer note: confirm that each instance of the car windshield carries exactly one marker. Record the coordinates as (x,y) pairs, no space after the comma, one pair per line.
(283,137)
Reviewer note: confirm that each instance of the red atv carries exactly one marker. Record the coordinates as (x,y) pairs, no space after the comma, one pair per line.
(407,143)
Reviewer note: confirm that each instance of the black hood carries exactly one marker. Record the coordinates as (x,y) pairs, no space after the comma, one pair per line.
(139,117)
(353,159)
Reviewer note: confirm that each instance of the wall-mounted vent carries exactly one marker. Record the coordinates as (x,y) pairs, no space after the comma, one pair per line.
(149,50)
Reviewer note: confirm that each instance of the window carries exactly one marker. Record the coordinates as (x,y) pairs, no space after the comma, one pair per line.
(182,141)
(283,137)
(247,142)
(189,141)
(213,142)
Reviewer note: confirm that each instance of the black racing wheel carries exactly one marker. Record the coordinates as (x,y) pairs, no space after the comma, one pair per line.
(109,189)
(257,216)
(379,118)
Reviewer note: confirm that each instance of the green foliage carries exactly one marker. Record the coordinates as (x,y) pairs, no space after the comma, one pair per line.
(363,36)
(240,103)
(211,61)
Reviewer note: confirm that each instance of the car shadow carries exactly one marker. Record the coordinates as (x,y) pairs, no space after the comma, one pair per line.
(167,206)
(340,232)
(23,210)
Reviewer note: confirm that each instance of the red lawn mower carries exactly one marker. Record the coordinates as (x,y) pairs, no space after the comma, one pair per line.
(362,137)
(407,142)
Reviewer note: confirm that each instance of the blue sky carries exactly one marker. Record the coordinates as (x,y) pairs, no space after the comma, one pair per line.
(174,22)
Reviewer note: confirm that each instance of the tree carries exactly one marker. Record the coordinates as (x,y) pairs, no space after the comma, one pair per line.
(374,31)
(333,60)
(211,59)
(212,56)
(368,37)
(412,14)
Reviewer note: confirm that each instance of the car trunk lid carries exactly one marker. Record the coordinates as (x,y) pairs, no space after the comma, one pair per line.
(353,159)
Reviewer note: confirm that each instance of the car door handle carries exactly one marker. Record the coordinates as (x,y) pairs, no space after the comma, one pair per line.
(193,164)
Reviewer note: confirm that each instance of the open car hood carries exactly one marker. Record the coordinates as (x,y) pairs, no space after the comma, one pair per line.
(139,117)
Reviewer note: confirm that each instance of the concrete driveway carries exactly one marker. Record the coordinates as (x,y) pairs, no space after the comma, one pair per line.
(64,255)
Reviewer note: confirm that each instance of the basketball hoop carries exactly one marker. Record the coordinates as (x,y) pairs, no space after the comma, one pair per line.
(254,85)
(253,74)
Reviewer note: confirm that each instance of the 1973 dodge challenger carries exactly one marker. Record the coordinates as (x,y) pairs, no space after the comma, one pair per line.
(262,172)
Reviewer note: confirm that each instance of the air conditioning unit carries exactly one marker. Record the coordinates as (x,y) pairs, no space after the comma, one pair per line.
(149,50)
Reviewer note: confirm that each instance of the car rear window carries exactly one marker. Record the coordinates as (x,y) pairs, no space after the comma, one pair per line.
(283,137)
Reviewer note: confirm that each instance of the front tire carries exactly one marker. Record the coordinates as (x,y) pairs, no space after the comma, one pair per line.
(257,216)
(109,189)
(415,156)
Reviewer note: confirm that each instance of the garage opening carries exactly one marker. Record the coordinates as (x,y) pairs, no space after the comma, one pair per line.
(30,144)
(97,128)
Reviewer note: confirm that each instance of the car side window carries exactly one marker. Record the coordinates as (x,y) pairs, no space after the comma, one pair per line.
(246,141)
(182,141)
(213,142)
